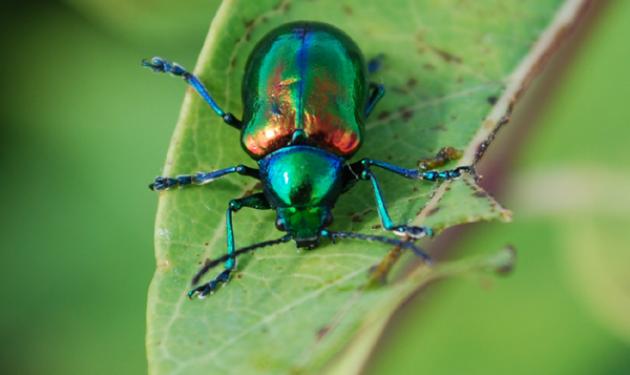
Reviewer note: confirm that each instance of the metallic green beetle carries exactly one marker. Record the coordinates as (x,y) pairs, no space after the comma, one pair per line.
(306,97)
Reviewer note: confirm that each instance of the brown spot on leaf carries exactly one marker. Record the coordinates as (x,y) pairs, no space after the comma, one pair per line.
(347,10)
(433,210)
(322,332)
(447,56)
(406,113)
(480,194)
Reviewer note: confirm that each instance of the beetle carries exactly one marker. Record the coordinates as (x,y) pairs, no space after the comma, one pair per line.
(306,97)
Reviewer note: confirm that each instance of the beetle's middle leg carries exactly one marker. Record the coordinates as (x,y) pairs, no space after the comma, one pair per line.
(201,178)
(257,201)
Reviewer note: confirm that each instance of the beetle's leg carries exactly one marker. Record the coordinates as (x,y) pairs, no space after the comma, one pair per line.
(427,175)
(158,64)
(257,201)
(361,170)
(375,94)
(201,178)
(386,220)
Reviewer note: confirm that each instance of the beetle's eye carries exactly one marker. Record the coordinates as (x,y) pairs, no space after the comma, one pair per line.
(281,225)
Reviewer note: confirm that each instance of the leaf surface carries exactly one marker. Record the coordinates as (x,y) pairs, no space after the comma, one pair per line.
(452,69)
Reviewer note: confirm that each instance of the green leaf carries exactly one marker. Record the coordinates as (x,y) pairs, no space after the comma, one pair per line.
(453,71)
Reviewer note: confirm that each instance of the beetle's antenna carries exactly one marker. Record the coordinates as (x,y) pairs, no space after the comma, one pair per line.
(209,264)
(390,241)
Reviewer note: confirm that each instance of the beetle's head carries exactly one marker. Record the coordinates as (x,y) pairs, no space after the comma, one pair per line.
(304,224)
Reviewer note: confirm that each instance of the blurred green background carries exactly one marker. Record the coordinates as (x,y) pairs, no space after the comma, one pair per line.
(84,129)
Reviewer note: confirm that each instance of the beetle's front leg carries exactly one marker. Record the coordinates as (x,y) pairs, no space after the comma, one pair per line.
(258,201)
(201,178)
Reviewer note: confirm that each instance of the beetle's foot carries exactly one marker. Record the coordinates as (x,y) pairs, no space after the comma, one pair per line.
(413,232)
(160,65)
(162,183)
(210,287)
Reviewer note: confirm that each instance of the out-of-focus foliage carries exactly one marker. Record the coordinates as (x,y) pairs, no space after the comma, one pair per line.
(160,21)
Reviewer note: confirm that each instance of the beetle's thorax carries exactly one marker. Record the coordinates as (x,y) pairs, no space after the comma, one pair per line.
(302,183)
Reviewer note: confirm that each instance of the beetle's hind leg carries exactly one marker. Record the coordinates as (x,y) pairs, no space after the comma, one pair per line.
(257,201)
(158,64)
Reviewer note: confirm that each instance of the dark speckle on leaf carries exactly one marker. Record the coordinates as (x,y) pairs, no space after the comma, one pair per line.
(480,194)
(439,127)
(406,114)
(322,332)
(492,100)
(383,115)
(447,56)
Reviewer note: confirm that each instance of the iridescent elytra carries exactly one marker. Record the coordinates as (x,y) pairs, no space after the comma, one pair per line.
(306,97)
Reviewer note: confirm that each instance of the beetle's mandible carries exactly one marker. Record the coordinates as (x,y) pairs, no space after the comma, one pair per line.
(306,96)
